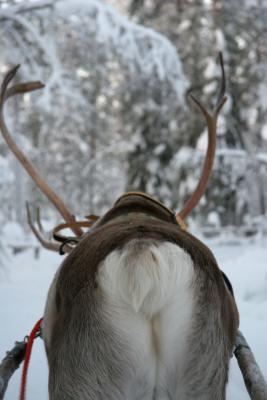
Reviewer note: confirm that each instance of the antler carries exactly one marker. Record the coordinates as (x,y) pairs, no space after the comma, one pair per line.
(40,235)
(5,94)
(211,118)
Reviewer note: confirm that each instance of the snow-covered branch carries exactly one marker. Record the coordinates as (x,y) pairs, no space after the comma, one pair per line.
(24,8)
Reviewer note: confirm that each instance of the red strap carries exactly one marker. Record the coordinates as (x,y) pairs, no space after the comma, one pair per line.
(32,336)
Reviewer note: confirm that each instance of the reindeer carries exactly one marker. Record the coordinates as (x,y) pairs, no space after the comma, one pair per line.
(139,309)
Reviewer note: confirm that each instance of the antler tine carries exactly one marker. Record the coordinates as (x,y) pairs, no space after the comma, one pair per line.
(8,77)
(50,194)
(47,244)
(38,220)
(221,95)
(211,121)
(18,88)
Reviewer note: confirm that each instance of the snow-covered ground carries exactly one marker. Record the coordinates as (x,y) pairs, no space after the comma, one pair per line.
(24,282)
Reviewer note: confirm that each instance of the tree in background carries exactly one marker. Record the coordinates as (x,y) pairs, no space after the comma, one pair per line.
(112,116)
(199,30)
(102,74)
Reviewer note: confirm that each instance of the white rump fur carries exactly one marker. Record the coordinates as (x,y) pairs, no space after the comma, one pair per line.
(147,276)
(149,290)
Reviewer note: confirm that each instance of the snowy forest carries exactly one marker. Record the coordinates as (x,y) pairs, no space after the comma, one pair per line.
(115,113)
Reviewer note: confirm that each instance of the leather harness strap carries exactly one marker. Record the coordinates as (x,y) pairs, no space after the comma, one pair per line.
(146,196)
(91,219)
(179,219)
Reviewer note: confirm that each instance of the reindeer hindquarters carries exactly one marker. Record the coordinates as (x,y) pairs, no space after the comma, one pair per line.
(148,330)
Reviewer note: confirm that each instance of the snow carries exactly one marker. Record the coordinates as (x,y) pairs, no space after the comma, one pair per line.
(24,282)
(12,232)
(5,174)
(32,5)
(135,44)
(95,63)
(264,132)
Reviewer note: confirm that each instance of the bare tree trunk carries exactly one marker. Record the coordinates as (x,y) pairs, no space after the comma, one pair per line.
(19,194)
